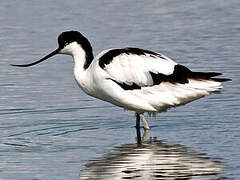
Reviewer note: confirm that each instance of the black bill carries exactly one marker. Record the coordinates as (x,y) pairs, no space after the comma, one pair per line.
(43,59)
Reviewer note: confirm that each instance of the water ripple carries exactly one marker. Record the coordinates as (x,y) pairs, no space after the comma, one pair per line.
(152,159)
(47,111)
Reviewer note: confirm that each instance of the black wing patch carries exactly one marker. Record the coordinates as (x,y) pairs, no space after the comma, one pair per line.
(181,74)
(108,57)
(125,86)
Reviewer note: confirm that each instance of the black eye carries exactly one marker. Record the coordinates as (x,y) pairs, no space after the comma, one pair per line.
(63,43)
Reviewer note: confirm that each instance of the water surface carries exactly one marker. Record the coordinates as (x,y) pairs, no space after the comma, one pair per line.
(51,130)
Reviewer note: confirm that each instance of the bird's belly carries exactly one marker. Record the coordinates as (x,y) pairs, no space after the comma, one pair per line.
(113,94)
(151,99)
(128,102)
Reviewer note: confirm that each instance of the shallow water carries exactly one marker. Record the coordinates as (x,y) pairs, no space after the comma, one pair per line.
(51,130)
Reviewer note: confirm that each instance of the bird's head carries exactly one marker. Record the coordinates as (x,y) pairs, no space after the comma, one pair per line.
(68,43)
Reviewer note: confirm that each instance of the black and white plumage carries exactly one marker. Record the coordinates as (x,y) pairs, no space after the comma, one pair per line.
(133,78)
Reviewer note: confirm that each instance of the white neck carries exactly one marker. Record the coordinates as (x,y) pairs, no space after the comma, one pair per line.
(79,57)
(77,52)
(81,74)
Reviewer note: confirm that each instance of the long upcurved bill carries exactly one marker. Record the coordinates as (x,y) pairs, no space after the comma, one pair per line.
(43,59)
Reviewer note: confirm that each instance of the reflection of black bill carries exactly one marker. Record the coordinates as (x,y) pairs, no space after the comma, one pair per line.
(153,159)
(43,59)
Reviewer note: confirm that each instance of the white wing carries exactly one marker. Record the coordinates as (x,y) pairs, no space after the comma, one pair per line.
(134,66)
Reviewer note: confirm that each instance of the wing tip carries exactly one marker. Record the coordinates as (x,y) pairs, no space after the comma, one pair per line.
(221,79)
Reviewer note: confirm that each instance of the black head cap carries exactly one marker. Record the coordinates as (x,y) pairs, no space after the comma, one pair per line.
(68,37)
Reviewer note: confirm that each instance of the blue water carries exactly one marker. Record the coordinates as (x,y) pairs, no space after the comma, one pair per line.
(51,130)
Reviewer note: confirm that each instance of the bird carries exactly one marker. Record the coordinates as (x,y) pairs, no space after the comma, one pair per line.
(132,78)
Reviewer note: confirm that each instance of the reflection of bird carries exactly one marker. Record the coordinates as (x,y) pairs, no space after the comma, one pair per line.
(152,159)
(132,78)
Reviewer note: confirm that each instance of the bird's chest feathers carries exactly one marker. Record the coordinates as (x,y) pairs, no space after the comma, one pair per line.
(83,81)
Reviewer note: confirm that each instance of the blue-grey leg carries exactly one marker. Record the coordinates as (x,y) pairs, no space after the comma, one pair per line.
(141,116)
(145,123)
(137,121)
(145,134)
(139,138)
